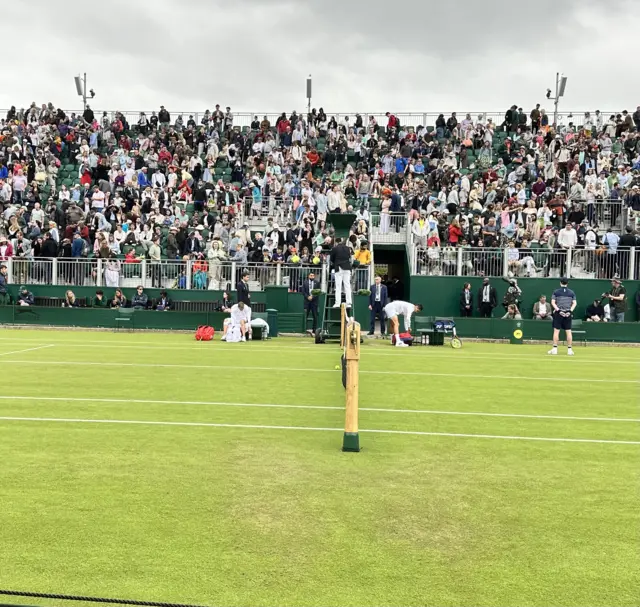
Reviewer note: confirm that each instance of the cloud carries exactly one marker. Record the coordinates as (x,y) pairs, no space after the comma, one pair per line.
(365,56)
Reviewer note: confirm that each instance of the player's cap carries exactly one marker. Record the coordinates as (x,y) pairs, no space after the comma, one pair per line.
(564,280)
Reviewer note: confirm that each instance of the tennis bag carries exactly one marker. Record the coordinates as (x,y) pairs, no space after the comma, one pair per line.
(204,333)
(444,326)
(407,338)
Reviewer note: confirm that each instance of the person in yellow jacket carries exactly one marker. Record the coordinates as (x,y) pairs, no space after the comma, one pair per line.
(363,254)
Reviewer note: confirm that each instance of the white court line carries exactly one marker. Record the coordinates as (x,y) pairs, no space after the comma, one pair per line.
(327,407)
(315,370)
(312,429)
(27,350)
(311,348)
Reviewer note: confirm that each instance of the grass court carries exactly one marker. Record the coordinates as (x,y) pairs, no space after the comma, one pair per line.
(152,467)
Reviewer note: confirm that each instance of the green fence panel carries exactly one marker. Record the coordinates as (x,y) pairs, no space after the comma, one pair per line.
(440,295)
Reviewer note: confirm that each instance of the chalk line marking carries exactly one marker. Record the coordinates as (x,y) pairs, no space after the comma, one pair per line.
(414,353)
(316,370)
(312,429)
(27,350)
(313,407)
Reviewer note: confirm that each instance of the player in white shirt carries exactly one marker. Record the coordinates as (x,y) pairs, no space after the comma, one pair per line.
(395,309)
(237,326)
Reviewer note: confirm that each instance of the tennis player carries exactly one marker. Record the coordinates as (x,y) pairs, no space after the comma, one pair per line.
(563,303)
(393,310)
(238,325)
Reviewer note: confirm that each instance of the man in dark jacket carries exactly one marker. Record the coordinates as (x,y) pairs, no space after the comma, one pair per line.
(191,245)
(242,289)
(4,293)
(172,243)
(636,118)
(487,299)
(378,299)
(627,240)
(310,299)
(49,247)
(140,301)
(25,297)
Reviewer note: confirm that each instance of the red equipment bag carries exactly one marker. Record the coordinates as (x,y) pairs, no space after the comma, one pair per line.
(407,338)
(204,333)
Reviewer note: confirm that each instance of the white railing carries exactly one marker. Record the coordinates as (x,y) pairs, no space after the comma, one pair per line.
(390,228)
(278,207)
(414,119)
(609,213)
(540,262)
(167,274)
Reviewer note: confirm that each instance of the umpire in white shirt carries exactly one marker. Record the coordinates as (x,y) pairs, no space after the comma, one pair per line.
(340,258)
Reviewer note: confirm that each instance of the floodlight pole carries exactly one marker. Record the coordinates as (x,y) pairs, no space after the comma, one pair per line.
(81,89)
(561,83)
(308,102)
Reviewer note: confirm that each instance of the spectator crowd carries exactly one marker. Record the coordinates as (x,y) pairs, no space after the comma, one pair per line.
(169,188)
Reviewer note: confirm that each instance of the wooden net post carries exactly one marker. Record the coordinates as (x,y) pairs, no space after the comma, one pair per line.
(351,439)
(343,322)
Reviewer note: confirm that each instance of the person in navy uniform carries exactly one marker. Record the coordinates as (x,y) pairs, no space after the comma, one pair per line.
(310,300)
(242,289)
(378,299)
(563,303)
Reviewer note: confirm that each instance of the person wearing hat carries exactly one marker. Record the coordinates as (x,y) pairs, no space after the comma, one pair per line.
(25,297)
(618,298)
(563,303)
(6,250)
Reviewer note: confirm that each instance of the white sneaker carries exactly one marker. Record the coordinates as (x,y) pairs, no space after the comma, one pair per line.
(243,338)
(224,338)
(336,305)
(570,352)
(553,351)
(401,344)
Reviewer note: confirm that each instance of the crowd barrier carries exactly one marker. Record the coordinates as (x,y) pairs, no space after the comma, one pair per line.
(538,262)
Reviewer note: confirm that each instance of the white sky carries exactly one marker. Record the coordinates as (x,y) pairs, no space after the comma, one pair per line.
(365,55)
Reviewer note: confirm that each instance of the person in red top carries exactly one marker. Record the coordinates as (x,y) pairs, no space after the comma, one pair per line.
(85,180)
(283,125)
(455,232)
(313,157)
(393,121)
(164,155)
(6,250)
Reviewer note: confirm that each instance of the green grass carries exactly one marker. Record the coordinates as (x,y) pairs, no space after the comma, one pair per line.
(240,515)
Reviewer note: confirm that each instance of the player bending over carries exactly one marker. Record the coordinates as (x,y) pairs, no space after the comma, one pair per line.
(563,303)
(393,310)
(237,327)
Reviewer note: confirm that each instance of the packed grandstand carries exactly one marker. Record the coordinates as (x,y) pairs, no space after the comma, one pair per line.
(195,194)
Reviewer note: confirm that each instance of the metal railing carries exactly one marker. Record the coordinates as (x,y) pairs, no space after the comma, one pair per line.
(414,119)
(167,274)
(609,213)
(540,262)
(278,207)
(390,228)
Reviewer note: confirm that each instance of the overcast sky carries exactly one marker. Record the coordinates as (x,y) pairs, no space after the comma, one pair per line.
(364,55)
